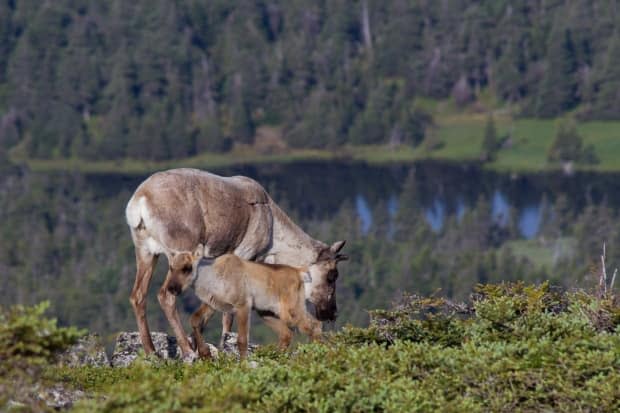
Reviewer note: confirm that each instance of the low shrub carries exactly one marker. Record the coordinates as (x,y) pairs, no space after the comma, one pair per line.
(28,342)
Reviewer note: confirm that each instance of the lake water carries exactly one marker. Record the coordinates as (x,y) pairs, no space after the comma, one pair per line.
(442,190)
(316,189)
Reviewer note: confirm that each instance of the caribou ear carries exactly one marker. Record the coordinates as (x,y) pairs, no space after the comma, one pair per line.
(342,257)
(337,246)
(198,252)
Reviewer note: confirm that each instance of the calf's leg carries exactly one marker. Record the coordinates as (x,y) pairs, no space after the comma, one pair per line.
(243,332)
(145,263)
(285,335)
(309,326)
(198,320)
(227,322)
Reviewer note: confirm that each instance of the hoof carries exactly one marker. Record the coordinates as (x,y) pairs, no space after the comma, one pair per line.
(204,352)
(190,357)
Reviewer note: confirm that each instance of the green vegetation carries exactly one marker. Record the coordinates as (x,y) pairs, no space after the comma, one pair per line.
(516,347)
(526,144)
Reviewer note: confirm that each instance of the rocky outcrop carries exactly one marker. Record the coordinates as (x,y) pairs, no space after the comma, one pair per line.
(128,347)
(60,398)
(229,345)
(88,351)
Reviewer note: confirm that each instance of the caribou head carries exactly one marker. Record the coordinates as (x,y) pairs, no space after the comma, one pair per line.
(321,284)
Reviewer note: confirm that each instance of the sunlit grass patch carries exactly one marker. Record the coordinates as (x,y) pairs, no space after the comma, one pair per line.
(542,254)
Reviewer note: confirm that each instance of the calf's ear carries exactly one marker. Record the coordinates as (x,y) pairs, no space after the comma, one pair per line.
(337,246)
(342,257)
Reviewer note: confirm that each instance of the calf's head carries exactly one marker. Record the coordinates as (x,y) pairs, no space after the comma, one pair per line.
(320,286)
(181,270)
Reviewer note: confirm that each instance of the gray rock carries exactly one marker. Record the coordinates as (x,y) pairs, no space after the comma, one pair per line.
(59,398)
(128,347)
(229,345)
(88,351)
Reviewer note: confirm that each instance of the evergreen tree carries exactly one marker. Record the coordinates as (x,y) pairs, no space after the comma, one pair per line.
(568,146)
(490,142)
(558,87)
(607,99)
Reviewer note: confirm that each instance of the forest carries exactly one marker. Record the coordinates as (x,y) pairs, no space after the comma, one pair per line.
(167,80)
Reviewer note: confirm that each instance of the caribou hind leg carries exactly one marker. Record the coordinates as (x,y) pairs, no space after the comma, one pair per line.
(145,263)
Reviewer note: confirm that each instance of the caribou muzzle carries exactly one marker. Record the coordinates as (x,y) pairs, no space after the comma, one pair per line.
(175,288)
(327,311)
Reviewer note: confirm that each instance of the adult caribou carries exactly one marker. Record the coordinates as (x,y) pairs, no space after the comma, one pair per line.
(174,211)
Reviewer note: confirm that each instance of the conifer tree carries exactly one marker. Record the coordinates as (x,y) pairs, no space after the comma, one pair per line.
(490,142)
(568,146)
(607,100)
(558,87)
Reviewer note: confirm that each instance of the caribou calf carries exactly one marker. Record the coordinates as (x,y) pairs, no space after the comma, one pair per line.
(232,285)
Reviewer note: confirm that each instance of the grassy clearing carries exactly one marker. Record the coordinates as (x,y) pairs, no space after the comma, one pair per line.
(542,254)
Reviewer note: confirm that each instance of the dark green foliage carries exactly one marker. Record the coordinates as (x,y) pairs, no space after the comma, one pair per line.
(607,102)
(150,79)
(559,85)
(568,146)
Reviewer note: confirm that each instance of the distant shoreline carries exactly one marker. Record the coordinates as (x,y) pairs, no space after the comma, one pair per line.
(372,155)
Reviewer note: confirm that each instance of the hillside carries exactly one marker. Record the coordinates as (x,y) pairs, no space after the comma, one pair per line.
(514,348)
(161,80)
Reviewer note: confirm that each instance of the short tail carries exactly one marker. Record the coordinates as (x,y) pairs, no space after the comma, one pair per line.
(134,213)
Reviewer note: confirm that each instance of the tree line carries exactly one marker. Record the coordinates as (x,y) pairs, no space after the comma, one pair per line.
(160,79)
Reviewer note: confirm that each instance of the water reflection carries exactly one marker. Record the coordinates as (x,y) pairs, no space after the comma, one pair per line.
(364,213)
(440,191)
